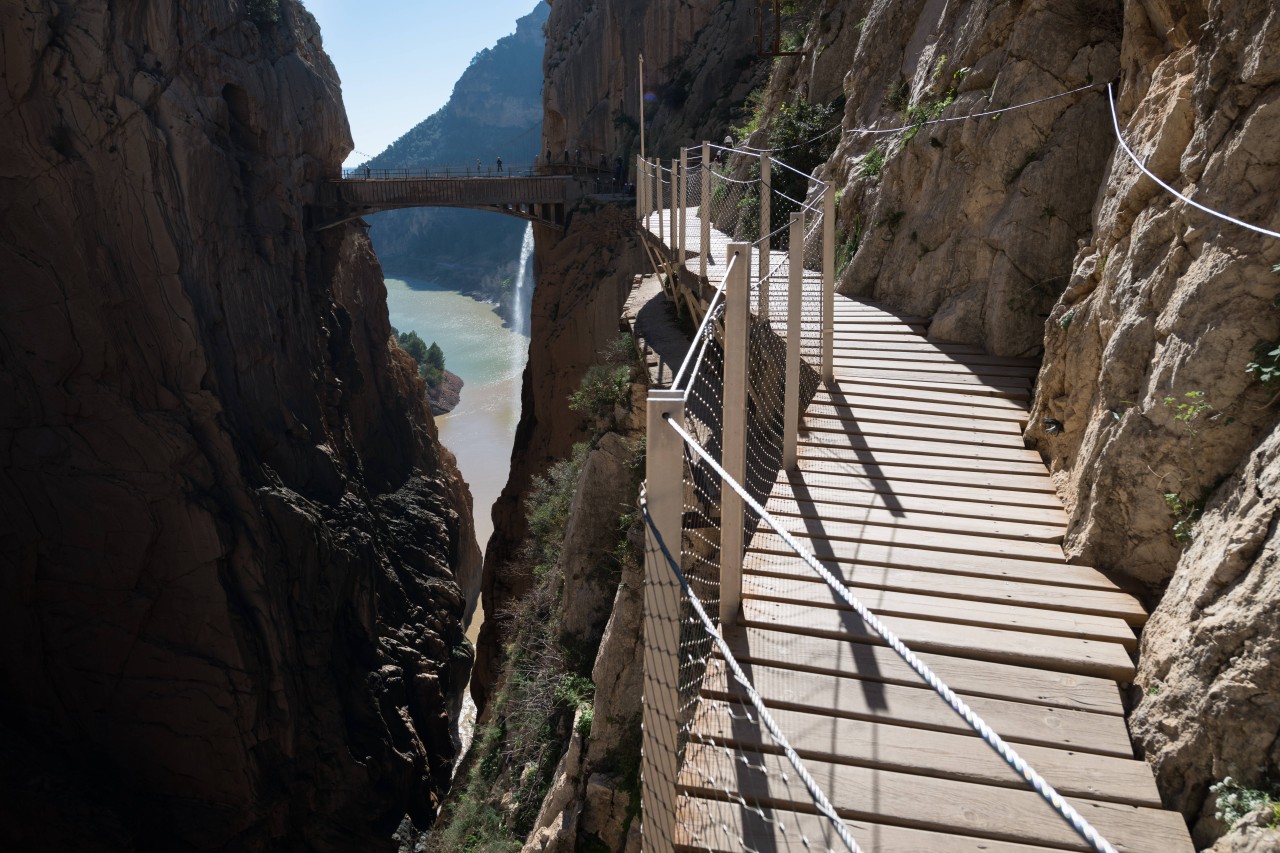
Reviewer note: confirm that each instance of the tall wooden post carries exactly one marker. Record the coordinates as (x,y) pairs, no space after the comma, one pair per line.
(791,393)
(640,211)
(664,486)
(683,204)
(737,313)
(641,106)
(673,221)
(828,284)
(704,212)
(657,183)
(766,216)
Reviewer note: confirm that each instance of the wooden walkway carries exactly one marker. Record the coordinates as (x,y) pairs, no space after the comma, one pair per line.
(915,488)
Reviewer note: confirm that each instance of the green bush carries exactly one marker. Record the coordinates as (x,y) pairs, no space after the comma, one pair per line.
(1265,366)
(430,359)
(1234,801)
(263,12)
(607,384)
(873,161)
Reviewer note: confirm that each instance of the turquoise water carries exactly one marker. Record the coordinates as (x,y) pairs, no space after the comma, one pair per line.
(490,359)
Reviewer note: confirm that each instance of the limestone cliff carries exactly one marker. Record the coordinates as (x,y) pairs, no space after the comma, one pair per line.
(1029,232)
(232,547)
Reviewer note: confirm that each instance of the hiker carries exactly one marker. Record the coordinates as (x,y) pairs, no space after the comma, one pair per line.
(549,160)
(618,173)
(566,155)
(604,163)
(579,154)
(499,164)
(478,166)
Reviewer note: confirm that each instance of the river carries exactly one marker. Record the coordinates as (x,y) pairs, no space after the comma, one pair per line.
(490,359)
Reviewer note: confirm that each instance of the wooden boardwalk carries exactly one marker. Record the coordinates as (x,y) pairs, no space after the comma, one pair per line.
(915,488)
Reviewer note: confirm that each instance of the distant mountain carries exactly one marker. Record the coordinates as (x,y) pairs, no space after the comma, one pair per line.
(495,111)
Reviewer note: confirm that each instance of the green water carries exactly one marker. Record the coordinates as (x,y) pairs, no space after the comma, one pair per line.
(490,359)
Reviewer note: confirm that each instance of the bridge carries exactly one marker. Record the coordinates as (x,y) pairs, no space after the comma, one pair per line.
(541,195)
(860,629)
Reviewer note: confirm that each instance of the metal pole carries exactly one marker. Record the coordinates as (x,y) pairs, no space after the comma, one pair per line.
(664,487)
(791,394)
(704,211)
(737,313)
(766,216)
(684,204)
(642,106)
(828,284)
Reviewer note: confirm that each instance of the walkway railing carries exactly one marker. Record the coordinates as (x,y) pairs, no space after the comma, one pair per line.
(717,440)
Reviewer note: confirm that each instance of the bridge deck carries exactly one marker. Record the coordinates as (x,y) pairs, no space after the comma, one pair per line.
(915,488)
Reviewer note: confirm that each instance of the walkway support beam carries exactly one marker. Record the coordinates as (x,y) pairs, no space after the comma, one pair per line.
(766,216)
(704,211)
(791,391)
(828,284)
(664,487)
(737,319)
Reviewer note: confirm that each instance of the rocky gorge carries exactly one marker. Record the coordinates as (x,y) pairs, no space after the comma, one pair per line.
(235,557)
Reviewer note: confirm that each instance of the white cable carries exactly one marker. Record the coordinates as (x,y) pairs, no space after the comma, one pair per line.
(1115,122)
(972,115)
(819,798)
(1064,809)
(706,318)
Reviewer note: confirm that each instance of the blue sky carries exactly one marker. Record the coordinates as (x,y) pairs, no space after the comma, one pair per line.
(399,59)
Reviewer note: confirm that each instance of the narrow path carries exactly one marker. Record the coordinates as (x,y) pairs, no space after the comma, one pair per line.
(914,488)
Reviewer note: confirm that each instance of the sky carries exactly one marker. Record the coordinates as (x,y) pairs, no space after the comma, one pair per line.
(398,59)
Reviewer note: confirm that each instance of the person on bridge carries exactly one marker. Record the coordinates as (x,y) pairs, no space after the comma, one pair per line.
(499,164)
(478,167)
(549,160)
(566,155)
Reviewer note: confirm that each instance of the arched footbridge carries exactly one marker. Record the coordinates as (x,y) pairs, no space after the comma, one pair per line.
(535,197)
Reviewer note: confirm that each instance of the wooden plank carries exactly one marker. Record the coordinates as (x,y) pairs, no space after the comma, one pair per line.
(937,430)
(966,355)
(823,699)
(715,826)
(848,393)
(937,805)
(856,440)
(901,556)
(1044,596)
(958,367)
(967,677)
(921,380)
(940,755)
(1001,528)
(901,413)
(830,446)
(1016,393)
(857,478)
(1086,657)
(933,540)
(1015,617)
(815,459)
(830,490)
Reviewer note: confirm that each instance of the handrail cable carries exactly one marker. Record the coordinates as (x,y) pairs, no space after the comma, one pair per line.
(1064,809)
(975,115)
(1115,122)
(706,318)
(819,798)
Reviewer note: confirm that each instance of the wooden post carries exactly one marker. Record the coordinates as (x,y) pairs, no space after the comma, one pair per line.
(704,211)
(657,183)
(737,313)
(673,222)
(641,108)
(766,215)
(664,486)
(791,393)
(828,284)
(684,204)
(640,213)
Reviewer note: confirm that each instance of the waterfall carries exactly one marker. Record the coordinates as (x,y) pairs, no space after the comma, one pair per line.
(520,306)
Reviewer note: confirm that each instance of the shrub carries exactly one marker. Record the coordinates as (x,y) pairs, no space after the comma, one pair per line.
(873,161)
(1234,801)
(607,384)
(1265,366)
(264,13)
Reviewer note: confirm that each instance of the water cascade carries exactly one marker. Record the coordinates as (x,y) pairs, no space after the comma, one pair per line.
(520,307)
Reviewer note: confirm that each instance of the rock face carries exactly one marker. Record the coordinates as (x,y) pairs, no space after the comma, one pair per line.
(582,282)
(232,547)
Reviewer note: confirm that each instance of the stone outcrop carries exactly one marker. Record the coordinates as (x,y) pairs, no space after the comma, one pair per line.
(234,554)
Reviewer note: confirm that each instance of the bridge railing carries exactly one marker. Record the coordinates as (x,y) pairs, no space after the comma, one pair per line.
(479,170)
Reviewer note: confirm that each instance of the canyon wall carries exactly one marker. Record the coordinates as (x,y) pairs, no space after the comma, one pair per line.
(234,554)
